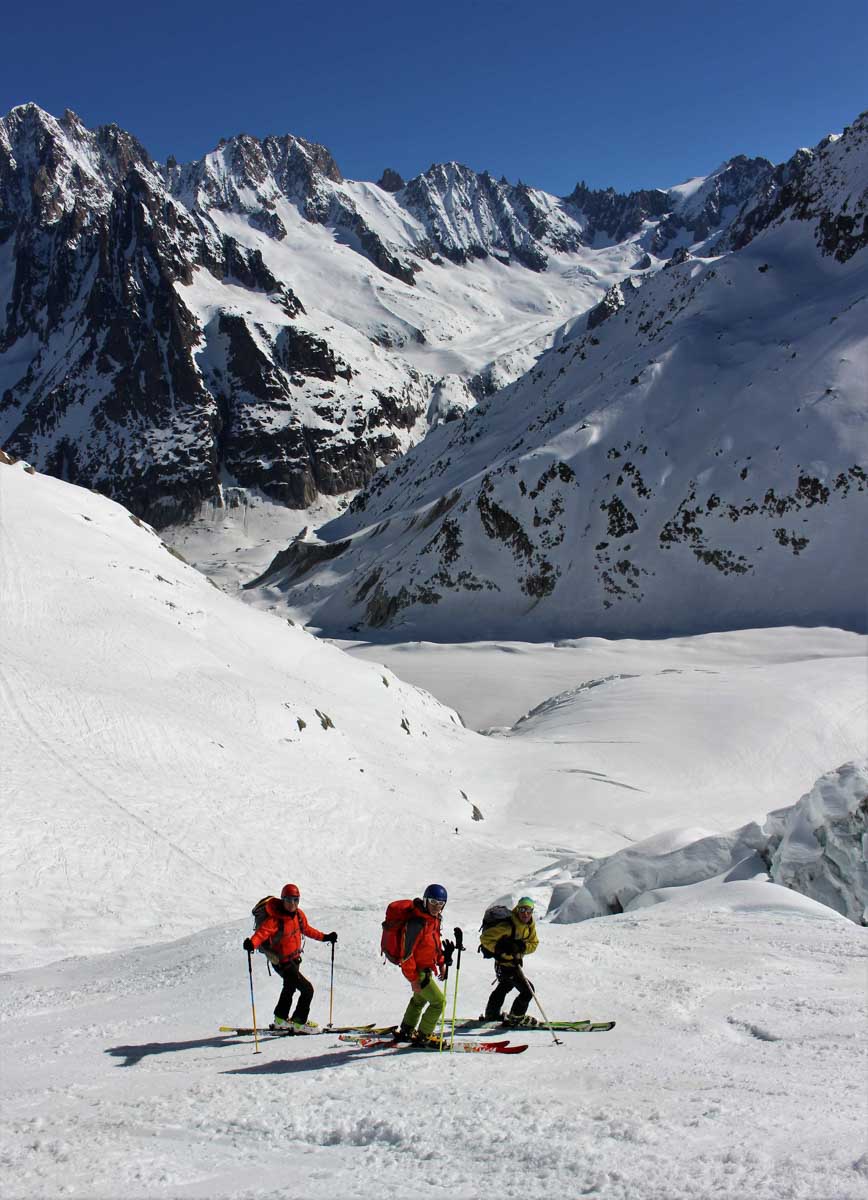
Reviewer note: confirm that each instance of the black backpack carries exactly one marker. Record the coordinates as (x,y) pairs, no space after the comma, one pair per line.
(495,914)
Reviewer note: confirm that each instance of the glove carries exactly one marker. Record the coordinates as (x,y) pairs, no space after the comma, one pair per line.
(248,945)
(505,950)
(448,951)
(330,937)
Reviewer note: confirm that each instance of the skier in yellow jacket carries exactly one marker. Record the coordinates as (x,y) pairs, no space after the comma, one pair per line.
(508,942)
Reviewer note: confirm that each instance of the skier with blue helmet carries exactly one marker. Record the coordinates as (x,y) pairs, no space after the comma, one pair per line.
(421,958)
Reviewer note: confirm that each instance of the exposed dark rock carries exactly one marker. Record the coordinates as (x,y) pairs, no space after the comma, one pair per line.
(608,306)
(298,351)
(390,181)
(616,215)
(297,559)
(807,187)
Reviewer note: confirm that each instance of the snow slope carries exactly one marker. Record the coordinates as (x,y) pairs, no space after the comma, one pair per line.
(157,781)
(736,1069)
(155,764)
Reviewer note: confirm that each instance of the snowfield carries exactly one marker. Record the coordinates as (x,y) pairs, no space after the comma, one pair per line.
(171,754)
(736,1069)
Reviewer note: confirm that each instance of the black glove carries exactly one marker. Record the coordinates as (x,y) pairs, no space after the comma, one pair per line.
(330,937)
(248,945)
(508,947)
(448,951)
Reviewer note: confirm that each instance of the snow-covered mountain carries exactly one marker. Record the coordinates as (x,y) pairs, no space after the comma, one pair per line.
(694,455)
(254,320)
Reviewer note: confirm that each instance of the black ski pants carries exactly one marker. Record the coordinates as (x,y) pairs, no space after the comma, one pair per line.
(293,981)
(508,977)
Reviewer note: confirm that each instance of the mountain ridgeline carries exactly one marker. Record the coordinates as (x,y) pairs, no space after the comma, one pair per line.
(630,413)
(253,319)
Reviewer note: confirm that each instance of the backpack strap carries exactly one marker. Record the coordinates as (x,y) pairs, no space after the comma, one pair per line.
(412,928)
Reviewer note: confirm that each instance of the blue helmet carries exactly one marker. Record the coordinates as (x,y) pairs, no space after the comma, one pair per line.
(435,891)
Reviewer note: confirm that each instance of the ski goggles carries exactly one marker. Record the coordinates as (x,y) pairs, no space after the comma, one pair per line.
(436,906)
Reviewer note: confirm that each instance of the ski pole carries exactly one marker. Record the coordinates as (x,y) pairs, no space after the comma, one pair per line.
(331,987)
(252,1001)
(459,946)
(449,948)
(529,985)
(443,1010)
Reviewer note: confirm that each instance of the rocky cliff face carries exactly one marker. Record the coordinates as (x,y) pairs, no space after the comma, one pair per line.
(118,374)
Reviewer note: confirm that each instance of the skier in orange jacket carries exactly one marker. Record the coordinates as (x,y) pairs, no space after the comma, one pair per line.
(421,958)
(282,933)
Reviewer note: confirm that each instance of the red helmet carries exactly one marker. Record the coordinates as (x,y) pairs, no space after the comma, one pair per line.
(290,889)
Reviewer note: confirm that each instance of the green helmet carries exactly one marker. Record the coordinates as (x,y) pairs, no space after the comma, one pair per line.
(525,902)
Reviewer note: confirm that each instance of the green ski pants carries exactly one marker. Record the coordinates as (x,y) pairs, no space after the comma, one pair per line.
(430,995)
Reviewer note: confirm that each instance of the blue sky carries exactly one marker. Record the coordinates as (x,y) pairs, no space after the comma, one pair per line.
(633,95)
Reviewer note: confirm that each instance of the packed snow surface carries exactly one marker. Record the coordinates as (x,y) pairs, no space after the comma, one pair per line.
(736,1068)
(170,755)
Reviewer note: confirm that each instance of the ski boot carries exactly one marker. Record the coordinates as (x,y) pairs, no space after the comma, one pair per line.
(304,1026)
(425,1041)
(517,1020)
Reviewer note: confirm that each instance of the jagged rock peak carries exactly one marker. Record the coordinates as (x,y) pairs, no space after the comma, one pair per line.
(267,169)
(826,186)
(390,181)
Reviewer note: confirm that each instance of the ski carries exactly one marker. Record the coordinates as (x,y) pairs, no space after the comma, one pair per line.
(240,1031)
(467,1025)
(368,1041)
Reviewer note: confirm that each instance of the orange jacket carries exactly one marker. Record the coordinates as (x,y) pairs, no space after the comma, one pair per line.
(422,949)
(285,931)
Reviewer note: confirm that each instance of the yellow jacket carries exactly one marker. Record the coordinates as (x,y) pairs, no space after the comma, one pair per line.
(506,932)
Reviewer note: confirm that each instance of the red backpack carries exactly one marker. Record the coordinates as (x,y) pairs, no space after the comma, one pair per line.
(392,941)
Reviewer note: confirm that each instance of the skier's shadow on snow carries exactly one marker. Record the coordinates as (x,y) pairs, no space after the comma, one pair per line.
(297,1066)
(134,1054)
